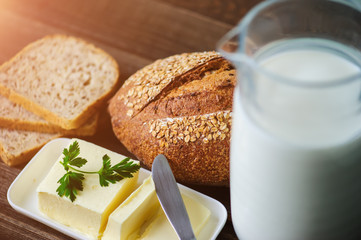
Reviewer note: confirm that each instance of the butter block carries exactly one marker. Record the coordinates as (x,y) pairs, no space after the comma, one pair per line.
(141,216)
(137,209)
(160,228)
(90,211)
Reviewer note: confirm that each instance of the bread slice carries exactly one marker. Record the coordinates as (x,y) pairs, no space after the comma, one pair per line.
(17,147)
(60,78)
(14,116)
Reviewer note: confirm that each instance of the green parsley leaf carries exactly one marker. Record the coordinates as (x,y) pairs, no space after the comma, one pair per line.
(125,168)
(70,183)
(107,174)
(70,155)
(78,162)
(112,174)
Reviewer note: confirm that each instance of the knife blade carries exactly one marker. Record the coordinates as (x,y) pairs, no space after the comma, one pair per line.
(170,198)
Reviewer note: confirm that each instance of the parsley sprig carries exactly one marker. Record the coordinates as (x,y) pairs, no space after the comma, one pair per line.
(72,181)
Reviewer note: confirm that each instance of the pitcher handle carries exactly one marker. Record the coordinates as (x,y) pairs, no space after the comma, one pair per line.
(228,46)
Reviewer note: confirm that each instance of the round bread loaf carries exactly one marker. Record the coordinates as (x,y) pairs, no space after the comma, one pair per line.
(181,107)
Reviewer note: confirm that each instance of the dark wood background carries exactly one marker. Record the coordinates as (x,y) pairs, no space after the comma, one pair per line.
(135,33)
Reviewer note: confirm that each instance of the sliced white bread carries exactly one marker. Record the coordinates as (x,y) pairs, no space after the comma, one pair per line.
(17,147)
(14,116)
(60,78)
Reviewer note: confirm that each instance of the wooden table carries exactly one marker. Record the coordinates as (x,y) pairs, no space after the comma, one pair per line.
(135,33)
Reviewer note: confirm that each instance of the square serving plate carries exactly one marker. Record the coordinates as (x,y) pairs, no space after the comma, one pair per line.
(23,198)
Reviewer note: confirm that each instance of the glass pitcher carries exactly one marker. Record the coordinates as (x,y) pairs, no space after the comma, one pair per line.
(296,128)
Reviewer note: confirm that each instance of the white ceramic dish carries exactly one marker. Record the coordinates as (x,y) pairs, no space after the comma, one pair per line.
(22,194)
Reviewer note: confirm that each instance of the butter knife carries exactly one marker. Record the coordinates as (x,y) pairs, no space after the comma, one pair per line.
(170,198)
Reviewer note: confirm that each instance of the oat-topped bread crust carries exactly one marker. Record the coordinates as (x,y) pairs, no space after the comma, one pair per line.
(60,78)
(181,107)
(149,82)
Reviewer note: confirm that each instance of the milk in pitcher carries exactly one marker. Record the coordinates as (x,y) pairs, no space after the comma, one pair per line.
(296,144)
